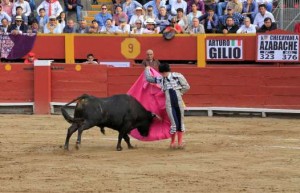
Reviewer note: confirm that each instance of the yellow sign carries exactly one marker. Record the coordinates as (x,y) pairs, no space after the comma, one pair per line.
(130,48)
(78,67)
(7,67)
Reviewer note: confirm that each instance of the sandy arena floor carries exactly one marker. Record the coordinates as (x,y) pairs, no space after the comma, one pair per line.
(257,155)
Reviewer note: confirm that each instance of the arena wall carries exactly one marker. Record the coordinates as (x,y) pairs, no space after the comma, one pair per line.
(238,87)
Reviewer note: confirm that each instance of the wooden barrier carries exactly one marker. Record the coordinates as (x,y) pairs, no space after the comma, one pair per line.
(239,87)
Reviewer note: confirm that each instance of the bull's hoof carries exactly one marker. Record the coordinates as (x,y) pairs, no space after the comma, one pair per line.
(119,148)
(66,147)
(131,147)
(77,146)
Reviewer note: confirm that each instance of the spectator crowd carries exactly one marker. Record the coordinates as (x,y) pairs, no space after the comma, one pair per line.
(139,17)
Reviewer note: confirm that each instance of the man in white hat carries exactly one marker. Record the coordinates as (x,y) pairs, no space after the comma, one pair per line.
(52,27)
(138,15)
(18,27)
(150,27)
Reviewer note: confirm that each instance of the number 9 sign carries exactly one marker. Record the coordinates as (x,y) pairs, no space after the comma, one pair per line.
(130,48)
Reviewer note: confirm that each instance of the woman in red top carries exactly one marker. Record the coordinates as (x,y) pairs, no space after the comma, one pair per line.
(174,27)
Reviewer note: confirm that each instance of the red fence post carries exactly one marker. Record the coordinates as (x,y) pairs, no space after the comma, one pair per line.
(42,86)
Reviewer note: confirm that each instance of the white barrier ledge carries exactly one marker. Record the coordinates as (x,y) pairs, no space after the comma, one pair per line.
(17,104)
(263,111)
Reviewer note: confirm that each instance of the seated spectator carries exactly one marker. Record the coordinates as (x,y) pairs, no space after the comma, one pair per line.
(211,4)
(176,4)
(247,27)
(137,16)
(129,7)
(62,20)
(118,15)
(82,28)
(196,27)
(19,12)
(90,59)
(52,7)
(237,17)
(268,26)
(4,15)
(70,27)
(117,3)
(31,16)
(123,28)
(26,11)
(200,6)
(138,29)
(163,19)
(30,58)
(229,27)
(19,27)
(7,6)
(74,5)
(194,13)
(52,27)
(108,28)
(236,5)
(261,15)
(221,6)
(174,27)
(94,28)
(103,16)
(182,19)
(35,28)
(155,4)
(268,3)
(42,18)
(149,13)
(250,9)
(150,27)
(211,21)
(4,25)
(150,61)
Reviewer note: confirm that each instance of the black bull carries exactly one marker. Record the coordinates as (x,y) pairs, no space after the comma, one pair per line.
(119,112)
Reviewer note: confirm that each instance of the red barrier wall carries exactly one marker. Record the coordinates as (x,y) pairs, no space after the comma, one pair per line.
(16,83)
(258,87)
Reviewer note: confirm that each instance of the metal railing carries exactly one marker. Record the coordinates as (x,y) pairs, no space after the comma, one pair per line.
(286,13)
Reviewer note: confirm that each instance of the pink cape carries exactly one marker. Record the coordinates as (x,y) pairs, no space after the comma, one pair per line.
(153,99)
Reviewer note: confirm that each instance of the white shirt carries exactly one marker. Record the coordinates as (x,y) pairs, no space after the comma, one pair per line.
(175,5)
(56,8)
(126,29)
(25,5)
(56,30)
(244,29)
(137,31)
(134,18)
(259,19)
(263,1)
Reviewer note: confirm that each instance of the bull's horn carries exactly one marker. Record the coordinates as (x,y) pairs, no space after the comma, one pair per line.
(157,116)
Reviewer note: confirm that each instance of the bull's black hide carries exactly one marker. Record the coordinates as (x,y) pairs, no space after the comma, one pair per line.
(119,112)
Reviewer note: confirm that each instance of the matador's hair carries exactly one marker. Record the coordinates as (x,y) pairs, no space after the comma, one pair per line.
(164,67)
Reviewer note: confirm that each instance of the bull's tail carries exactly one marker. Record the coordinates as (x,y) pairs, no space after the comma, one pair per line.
(66,114)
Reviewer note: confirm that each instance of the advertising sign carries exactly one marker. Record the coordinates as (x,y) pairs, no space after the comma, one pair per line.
(277,48)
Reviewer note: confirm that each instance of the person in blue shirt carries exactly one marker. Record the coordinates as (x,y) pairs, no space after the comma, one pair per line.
(156,4)
(103,16)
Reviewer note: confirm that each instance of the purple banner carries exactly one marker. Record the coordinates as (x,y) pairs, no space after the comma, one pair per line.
(16,46)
